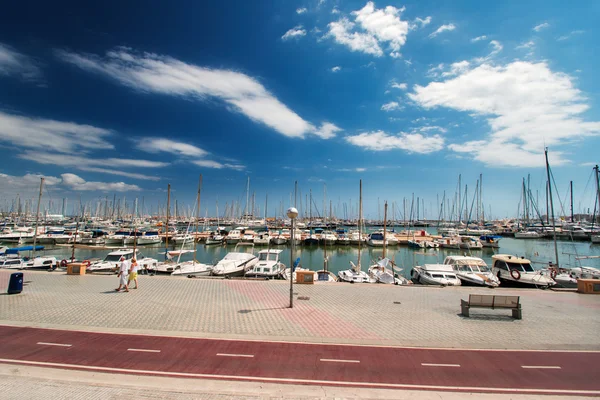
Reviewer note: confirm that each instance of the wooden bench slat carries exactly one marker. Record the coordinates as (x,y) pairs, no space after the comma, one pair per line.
(493,302)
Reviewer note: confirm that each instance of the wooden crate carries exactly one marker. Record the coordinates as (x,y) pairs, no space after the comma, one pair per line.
(588,286)
(305,277)
(76,268)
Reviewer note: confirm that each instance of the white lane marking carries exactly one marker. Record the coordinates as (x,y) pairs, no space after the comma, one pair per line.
(235,355)
(145,350)
(336,360)
(54,344)
(440,365)
(159,334)
(309,381)
(540,366)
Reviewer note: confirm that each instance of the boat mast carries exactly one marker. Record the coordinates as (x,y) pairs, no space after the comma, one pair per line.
(551,206)
(384,225)
(597,187)
(247,194)
(359,221)
(197,217)
(572,216)
(37,214)
(168,209)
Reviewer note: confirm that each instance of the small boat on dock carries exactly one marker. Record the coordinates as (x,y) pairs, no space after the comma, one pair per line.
(472,271)
(435,274)
(517,271)
(235,263)
(268,266)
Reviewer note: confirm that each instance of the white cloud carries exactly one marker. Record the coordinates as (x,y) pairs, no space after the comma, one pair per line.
(478,38)
(497,47)
(356,41)
(31,182)
(327,130)
(570,35)
(351,169)
(379,26)
(47,134)
(295,32)
(456,68)
(541,26)
(217,165)
(156,145)
(420,22)
(401,86)
(391,106)
(443,28)
(77,183)
(162,74)
(301,10)
(98,165)
(17,64)
(335,10)
(589,164)
(336,69)
(410,142)
(526,45)
(527,107)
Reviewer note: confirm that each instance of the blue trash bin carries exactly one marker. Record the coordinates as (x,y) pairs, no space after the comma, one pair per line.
(15,284)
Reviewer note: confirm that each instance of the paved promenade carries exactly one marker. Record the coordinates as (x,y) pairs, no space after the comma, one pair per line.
(334,313)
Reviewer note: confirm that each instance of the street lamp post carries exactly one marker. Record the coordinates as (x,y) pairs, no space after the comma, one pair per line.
(292,213)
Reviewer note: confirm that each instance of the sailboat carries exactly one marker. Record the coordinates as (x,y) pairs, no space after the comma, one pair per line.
(39,262)
(324,275)
(193,267)
(354,274)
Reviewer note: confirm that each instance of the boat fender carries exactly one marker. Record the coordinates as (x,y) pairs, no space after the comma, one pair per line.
(63,263)
(515,274)
(87,263)
(553,274)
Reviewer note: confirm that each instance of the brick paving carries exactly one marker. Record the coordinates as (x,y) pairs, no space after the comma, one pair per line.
(334,313)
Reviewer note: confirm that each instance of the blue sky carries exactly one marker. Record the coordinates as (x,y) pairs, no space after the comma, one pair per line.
(127,97)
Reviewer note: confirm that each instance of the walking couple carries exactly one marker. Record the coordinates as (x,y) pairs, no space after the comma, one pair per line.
(127,273)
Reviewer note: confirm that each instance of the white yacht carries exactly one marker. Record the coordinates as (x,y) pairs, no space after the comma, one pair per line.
(192,268)
(328,238)
(53,236)
(183,238)
(449,242)
(567,277)
(354,275)
(491,241)
(281,237)
(512,270)
(11,263)
(235,263)
(375,239)
(380,273)
(17,235)
(117,238)
(595,239)
(530,234)
(470,243)
(149,238)
(472,271)
(111,261)
(435,274)
(214,239)
(41,262)
(262,239)
(235,235)
(355,238)
(268,266)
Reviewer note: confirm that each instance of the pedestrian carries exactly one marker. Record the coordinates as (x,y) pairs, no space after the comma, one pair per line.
(123,268)
(133,273)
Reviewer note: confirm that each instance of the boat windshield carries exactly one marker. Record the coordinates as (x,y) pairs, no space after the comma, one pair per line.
(267,257)
(482,268)
(520,267)
(116,257)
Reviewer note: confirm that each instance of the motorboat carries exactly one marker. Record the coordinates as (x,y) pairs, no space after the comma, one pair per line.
(269,265)
(490,241)
(567,277)
(435,274)
(117,238)
(53,236)
(472,271)
(17,235)
(248,236)
(280,238)
(149,238)
(183,238)
(11,263)
(110,263)
(470,243)
(311,239)
(517,271)
(416,244)
(449,242)
(235,263)
(235,235)
(355,238)
(97,238)
(329,238)
(529,234)
(354,275)
(380,273)
(214,239)
(325,275)
(40,262)
(595,239)
(192,268)
(342,237)
(375,239)
(262,239)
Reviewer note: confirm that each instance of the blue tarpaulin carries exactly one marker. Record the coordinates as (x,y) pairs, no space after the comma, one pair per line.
(16,250)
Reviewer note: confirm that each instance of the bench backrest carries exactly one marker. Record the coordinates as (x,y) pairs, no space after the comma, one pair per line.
(484,300)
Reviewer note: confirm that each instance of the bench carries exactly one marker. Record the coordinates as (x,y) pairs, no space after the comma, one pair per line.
(493,302)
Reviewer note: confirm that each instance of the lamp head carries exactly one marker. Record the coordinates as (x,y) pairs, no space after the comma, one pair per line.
(292,213)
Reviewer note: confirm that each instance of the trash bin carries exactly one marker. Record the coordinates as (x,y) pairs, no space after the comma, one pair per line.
(15,284)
